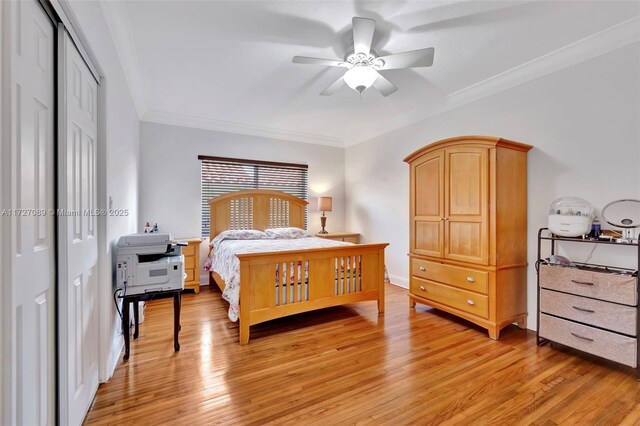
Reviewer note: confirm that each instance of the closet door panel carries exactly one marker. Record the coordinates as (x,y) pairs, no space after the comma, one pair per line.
(28,346)
(466,213)
(427,186)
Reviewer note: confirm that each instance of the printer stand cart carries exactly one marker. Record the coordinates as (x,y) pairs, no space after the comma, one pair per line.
(592,308)
(143,297)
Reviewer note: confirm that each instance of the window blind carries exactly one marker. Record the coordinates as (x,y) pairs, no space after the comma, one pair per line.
(220,176)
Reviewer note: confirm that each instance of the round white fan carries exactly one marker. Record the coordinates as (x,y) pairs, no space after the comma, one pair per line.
(623,214)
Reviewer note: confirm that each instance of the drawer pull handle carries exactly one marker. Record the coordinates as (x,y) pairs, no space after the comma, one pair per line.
(583,309)
(422,268)
(581,282)
(423,288)
(471,280)
(582,337)
(471,302)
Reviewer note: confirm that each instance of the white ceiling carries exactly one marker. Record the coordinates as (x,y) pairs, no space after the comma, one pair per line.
(226,65)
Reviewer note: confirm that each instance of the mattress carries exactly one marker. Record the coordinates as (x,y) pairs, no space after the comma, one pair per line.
(223,260)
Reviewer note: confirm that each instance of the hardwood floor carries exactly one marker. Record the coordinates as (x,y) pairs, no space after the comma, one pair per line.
(348,365)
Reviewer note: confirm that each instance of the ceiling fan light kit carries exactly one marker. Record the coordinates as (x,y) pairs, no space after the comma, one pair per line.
(360,77)
(363,66)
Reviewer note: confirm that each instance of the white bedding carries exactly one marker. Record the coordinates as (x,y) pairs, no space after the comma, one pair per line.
(222,260)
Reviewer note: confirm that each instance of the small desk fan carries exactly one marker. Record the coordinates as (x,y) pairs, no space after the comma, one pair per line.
(623,214)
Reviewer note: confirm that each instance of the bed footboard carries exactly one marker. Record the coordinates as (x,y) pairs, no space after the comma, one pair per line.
(282,283)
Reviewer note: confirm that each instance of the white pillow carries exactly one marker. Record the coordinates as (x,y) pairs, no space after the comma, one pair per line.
(286,233)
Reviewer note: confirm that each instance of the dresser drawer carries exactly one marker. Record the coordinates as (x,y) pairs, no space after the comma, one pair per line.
(618,318)
(189,250)
(464,278)
(599,285)
(460,299)
(608,345)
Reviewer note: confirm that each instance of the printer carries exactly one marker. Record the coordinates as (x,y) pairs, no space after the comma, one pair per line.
(149,262)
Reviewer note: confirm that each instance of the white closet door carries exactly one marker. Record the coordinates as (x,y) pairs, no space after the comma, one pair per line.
(32,253)
(78,242)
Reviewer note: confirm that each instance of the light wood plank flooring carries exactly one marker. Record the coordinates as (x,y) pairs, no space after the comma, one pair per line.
(347,365)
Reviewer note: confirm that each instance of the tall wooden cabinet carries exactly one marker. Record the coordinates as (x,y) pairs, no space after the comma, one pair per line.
(468,229)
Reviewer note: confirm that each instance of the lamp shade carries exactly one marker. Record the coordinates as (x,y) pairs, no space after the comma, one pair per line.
(324,204)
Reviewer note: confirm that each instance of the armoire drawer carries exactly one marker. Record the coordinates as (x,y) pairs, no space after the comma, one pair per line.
(464,278)
(598,285)
(460,299)
(614,317)
(608,345)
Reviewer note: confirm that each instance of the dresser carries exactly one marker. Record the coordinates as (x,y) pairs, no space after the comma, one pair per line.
(591,308)
(468,229)
(191,255)
(349,237)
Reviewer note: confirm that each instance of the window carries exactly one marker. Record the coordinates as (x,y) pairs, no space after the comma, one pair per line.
(222,175)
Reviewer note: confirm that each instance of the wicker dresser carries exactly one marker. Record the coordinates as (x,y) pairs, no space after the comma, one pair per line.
(593,309)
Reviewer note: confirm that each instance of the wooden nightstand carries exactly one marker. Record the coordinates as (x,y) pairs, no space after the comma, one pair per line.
(349,237)
(191,255)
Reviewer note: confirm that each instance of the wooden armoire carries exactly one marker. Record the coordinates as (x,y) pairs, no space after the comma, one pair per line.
(468,229)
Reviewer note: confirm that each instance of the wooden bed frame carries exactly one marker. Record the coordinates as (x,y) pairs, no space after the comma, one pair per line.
(325,286)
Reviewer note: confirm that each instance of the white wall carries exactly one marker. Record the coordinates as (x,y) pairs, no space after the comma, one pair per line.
(582,121)
(170,174)
(3,381)
(119,134)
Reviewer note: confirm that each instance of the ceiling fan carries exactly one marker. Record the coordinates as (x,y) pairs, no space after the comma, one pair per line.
(363,65)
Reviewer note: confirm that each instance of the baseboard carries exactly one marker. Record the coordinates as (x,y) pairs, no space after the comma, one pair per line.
(204,279)
(114,355)
(399,281)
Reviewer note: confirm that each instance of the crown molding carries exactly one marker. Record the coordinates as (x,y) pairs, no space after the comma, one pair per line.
(590,47)
(174,119)
(119,26)
(613,38)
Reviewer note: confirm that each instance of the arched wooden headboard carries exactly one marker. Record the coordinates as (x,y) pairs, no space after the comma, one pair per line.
(255,209)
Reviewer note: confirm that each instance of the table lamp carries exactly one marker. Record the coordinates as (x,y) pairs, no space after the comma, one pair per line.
(324,205)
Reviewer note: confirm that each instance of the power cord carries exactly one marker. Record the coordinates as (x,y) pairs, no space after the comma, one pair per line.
(115,302)
(591,254)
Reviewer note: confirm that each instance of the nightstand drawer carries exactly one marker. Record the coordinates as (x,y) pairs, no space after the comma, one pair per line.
(614,317)
(608,345)
(459,299)
(189,250)
(189,262)
(598,285)
(190,275)
(465,278)
(348,237)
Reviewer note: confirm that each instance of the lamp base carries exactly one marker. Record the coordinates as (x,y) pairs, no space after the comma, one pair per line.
(323,223)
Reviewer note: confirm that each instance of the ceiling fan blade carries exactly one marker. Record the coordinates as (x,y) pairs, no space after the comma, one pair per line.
(363,29)
(318,61)
(334,87)
(384,86)
(413,58)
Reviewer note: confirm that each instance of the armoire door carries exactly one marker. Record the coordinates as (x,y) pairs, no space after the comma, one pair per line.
(466,215)
(78,236)
(28,351)
(428,195)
